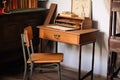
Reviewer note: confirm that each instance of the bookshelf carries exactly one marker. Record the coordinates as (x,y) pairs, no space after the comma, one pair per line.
(12,25)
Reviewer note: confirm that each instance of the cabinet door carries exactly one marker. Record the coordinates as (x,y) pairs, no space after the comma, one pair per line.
(10,46)
(10,36)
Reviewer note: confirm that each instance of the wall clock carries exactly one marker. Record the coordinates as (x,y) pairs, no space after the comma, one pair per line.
(82,8)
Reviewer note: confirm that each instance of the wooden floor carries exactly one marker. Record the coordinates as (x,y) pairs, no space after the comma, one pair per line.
(51,75)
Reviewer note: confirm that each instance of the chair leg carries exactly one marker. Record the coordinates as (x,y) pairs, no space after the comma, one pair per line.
(31,71)
(59,71)
(25,72)
(112,72)
(116,72)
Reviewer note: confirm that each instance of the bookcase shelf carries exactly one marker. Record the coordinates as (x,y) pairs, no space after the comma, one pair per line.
(27,10)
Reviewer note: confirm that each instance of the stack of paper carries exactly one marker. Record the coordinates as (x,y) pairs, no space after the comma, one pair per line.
(62,28)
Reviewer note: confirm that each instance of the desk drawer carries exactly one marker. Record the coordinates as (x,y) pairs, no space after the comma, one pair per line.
(59,36)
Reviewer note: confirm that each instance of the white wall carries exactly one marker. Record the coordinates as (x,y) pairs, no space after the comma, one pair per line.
(101,19)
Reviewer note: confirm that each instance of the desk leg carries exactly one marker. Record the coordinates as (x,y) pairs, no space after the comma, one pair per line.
(56,47)
(79,71)
(93,52)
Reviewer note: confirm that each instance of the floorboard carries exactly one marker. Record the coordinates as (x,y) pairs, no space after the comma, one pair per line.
(49,75)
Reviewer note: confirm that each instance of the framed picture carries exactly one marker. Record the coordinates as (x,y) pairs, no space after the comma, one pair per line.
(81,7)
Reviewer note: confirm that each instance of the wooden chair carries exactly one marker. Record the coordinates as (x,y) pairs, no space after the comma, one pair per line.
(114,41)
(37,58)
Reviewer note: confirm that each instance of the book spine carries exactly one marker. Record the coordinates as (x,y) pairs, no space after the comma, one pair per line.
(22,4)
(13,4)
(25,3)
(32,3)
(29,3)
(35,3)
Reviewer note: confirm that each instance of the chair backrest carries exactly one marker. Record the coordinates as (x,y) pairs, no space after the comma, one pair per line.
(28,35)
(26,39)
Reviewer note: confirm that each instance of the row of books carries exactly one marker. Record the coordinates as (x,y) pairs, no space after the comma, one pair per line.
(22,4)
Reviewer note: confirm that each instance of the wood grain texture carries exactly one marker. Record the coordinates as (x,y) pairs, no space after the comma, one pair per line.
(75,37)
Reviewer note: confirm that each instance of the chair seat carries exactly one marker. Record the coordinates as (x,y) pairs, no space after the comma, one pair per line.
(115,44)
(46,57)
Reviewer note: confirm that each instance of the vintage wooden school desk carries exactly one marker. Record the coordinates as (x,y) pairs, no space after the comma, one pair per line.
(74,31)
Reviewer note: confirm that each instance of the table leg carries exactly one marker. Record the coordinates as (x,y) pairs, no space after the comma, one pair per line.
(79,71)
(93,52)
(56,47)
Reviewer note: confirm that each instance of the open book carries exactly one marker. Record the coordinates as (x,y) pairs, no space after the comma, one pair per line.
(62,28)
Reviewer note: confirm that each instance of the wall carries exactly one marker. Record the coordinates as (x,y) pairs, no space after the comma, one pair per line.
(101,21)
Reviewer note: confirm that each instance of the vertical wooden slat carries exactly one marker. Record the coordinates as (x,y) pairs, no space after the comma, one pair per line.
(50,14)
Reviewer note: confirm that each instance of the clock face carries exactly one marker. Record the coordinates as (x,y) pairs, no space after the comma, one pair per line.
(82,8)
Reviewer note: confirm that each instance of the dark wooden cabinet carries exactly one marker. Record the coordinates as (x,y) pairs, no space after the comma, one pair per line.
(11,26)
